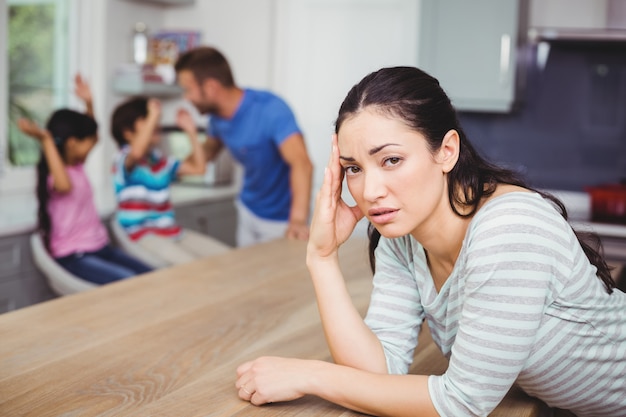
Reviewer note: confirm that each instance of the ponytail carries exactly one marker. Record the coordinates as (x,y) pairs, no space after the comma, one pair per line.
(43,195)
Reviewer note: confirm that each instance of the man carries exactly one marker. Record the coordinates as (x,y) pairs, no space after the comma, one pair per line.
(261,132)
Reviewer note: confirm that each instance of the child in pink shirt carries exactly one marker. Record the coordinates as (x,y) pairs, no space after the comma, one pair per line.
(68,219)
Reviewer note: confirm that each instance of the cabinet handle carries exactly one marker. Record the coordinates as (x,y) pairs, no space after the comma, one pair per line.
(505,57)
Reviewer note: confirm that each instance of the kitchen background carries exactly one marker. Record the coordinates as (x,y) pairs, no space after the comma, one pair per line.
(531,93)
(567,131)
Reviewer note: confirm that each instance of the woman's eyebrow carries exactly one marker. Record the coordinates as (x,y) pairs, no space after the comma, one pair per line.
(372,151)
(377,149)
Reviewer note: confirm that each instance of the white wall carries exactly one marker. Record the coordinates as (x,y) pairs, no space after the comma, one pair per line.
(308,51)
(241,29)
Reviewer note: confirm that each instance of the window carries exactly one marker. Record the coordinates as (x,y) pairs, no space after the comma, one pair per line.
(36,74)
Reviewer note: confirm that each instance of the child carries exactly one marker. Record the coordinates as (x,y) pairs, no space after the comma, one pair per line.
(142,177)
(68,221)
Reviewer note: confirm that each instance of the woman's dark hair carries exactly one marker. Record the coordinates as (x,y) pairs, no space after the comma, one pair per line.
(125,115)
(418,100)
(62,125)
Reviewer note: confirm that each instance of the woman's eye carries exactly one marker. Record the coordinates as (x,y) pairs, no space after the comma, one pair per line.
(394,160)
(351,170)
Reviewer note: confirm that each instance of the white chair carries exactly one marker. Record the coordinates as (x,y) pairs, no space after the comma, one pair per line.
(122,240)
(60,280)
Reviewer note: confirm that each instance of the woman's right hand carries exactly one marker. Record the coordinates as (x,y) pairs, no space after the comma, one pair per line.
(333,220)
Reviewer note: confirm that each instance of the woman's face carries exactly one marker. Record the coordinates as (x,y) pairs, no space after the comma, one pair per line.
(396,181)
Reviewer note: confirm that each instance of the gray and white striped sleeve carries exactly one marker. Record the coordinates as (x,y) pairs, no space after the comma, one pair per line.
(395,313)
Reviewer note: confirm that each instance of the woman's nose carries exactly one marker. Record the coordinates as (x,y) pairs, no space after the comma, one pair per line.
(374,186)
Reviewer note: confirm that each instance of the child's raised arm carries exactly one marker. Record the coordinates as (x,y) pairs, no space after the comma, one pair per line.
(146,129)
(83,92)
(60,180)
(195,164)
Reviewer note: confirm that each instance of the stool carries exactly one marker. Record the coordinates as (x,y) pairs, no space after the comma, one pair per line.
(60,280)
(122,240)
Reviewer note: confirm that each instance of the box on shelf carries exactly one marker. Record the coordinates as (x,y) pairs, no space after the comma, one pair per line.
(165,46)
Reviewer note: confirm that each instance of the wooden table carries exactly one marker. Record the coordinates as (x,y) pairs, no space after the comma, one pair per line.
(168,343)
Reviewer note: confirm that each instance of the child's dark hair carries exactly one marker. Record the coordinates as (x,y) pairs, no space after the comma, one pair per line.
(62,125)
(124,117)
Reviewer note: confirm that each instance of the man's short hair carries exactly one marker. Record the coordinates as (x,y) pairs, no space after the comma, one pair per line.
(206,62)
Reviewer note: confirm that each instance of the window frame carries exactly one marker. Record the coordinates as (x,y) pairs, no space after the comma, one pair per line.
(21,179)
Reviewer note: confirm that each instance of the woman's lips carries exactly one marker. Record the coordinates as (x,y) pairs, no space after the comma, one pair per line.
(382,215)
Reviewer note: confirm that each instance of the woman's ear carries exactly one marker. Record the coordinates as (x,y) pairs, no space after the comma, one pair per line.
(448,153)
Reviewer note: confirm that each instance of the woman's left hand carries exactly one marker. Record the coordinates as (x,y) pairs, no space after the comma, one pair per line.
(271,379)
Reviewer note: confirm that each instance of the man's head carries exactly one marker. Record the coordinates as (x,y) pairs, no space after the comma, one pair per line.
(201,73)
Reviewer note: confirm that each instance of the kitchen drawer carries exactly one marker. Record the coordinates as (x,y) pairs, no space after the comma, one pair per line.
(14,256)
(22,290)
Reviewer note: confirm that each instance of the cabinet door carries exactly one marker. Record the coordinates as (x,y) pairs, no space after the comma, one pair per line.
(470,47)
(217,219)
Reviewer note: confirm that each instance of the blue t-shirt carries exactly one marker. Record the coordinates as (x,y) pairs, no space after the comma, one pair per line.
(253,135)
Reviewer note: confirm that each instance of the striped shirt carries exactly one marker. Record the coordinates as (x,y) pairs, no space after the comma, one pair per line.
(143,195)
(522,304)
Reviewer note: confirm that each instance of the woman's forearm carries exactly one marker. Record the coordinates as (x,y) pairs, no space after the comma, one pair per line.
(371,393)
(350,341)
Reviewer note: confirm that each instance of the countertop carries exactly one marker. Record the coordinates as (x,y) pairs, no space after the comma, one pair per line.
(167,343)
(18,213)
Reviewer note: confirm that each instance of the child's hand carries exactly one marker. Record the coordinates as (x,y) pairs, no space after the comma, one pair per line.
(82,89)
(185,121)
(154,108)
(32,129)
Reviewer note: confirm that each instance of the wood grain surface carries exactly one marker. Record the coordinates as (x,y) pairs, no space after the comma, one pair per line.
(167,343)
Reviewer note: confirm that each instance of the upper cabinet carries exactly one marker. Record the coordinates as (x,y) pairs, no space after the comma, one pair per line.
(471,48)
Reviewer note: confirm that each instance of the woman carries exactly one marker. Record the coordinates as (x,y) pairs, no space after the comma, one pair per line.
(508,290)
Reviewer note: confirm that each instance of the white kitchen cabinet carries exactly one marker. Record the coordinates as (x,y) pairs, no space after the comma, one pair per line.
(471,48)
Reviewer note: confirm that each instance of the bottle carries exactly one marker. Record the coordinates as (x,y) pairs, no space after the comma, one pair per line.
(140,43)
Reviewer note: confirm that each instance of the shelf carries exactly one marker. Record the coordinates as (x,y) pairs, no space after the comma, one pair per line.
(153,89)
(165,2)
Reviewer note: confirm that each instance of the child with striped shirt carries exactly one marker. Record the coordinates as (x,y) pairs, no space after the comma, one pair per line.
(142,178)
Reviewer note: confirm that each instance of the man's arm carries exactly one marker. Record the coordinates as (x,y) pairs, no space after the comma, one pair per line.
(212,148)
(293,151)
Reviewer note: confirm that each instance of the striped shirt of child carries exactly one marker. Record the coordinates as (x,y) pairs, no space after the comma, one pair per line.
(143,194)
